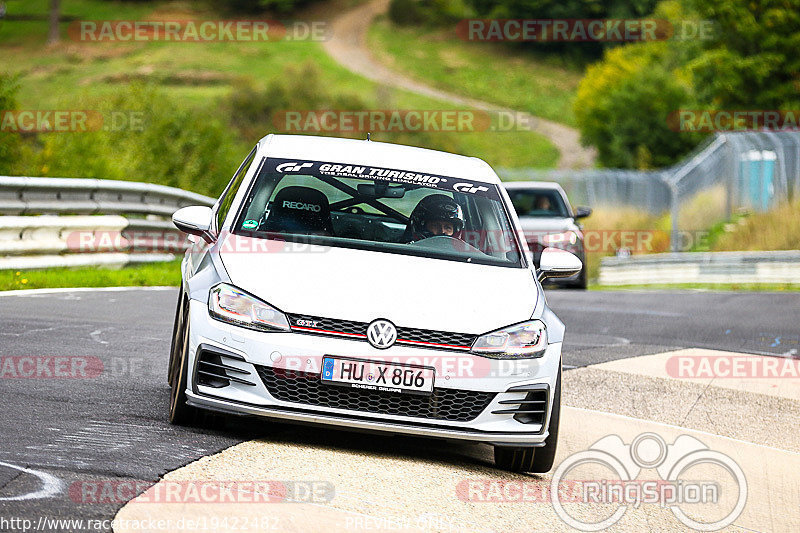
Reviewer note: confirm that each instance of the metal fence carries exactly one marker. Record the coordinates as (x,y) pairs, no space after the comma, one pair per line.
(752,171)
(54,222)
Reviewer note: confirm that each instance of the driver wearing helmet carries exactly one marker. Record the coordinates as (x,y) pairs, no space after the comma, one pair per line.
(435,215)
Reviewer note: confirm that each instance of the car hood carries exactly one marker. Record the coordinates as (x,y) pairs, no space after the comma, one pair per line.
(365,285)
(546,224)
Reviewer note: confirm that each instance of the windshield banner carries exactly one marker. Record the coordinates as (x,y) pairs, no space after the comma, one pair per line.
(390,175)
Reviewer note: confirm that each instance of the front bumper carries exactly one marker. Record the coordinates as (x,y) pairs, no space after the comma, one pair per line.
(253,350)
(349,422)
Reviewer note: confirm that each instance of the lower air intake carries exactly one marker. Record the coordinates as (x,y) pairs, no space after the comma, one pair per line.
(306,388)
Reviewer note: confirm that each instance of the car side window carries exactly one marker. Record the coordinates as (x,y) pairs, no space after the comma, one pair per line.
(227,197)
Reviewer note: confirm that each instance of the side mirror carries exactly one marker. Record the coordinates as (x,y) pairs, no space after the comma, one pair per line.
(194,220)
(582,212)
(557,263)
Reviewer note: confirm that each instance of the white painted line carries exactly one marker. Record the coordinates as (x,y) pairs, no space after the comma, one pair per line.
(51,485)
(61,290)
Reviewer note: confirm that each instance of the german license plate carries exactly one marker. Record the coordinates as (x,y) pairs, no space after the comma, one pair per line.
(377,375)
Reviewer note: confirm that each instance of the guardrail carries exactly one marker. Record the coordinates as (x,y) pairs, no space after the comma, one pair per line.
(57,222)
(702,267)
(24,195)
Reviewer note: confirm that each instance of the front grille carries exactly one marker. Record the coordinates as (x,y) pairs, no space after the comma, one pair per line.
(306,388)
(437,337)
(442,340)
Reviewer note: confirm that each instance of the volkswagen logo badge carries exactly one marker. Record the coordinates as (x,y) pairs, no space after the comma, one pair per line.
(381,333)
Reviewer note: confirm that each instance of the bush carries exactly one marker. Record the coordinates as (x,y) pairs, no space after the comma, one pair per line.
(406,12)
(9,142)
(256,111)
(177,145)
(432,12)
(258,6)
(253,111)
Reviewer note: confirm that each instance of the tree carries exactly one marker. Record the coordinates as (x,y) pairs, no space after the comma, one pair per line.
(53,34)
(752,60)
(623,105)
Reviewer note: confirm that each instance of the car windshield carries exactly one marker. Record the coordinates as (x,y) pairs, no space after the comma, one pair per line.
(380,209)
(538,203)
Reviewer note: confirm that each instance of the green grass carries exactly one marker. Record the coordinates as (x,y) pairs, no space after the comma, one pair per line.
(753,287)
(64,76)
(144,275)
(487,71)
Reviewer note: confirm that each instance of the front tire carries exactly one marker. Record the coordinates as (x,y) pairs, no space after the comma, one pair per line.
(536,460)
(582,280)
(180,413)
(581,283)
(177,333)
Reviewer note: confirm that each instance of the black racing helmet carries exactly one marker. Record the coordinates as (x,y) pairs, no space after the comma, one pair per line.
(436,207)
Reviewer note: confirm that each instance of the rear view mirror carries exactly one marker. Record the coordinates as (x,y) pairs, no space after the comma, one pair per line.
(557,263)
(582,212)
(381,190)
(194,220)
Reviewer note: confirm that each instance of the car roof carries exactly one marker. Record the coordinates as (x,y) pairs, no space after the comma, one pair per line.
(380,154)
(532,185)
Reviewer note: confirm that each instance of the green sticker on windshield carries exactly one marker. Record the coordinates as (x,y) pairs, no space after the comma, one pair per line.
(249,224)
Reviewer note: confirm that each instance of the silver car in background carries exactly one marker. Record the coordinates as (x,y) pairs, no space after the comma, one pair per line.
(548,220)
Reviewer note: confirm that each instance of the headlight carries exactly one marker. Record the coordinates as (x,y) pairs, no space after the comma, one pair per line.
(520,341)
(560,238)
(229,304)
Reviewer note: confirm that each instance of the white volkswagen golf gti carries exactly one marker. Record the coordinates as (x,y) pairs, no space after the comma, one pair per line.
(371,286)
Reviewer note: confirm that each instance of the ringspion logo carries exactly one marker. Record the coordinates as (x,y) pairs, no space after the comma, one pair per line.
(722,482)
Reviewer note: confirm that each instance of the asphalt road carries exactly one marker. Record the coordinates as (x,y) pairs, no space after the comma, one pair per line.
(70,432)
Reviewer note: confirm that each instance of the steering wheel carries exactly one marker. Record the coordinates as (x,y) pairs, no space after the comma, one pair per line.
(442,242)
